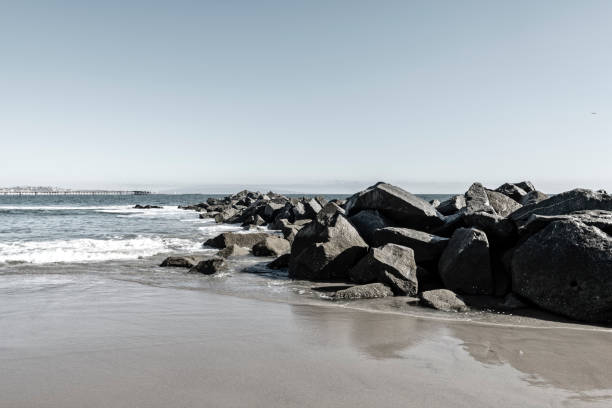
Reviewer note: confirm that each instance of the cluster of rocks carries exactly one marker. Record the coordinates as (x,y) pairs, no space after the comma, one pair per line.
(514,243)
(146,207)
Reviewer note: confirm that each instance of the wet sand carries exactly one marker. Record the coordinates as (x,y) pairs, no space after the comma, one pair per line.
(122,344)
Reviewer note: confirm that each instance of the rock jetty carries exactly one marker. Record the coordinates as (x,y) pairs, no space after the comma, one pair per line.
(511,242)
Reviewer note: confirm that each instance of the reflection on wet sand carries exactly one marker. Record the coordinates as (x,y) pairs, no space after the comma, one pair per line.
(573,360)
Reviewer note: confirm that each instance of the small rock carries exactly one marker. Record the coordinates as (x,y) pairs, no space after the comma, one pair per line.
(444,300)
(281,262)
(369,291)
(209,266)
(272,246)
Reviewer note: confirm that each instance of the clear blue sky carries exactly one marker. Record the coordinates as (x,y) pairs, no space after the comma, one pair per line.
(184,94)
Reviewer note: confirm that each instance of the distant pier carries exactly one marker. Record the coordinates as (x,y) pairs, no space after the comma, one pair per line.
(75,193)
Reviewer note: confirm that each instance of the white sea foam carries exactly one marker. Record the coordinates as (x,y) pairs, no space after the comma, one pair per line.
(92,250)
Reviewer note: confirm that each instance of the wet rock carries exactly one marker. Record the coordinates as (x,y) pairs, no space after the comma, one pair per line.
(180,261)
(367,222)
(146,207)
(369,291)
(233,250)
(426,247)
(239,239)
(443,299)
(209,266)
(281,262)
(326,248)
(465,264)
(391,264)
(396,204)
(566,268)
(503,205)
(452,206)
(272,246)
(565,203)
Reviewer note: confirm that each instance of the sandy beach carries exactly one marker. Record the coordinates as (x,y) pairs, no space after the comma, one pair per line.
(131,345)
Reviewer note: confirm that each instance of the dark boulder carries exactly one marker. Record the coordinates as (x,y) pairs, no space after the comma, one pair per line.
(233,238)
(465,264)
(312,208)
(367,222)
(146,207)
(565,203)
(369,291)
(499,229)
(444,300)
(452,206)
(209,266)
(511,190)
(272,246)
(566,268)
(180,261)
(527,186)
(397,204)
(326,248)
(426,247)
(281,262)
(391,264)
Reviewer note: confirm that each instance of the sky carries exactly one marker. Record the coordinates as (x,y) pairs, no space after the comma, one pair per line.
(308,95)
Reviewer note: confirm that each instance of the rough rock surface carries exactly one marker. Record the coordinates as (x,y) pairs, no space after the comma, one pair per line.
(233,238)
(272,246)
(367,222)
(391,264)
(465,264)
(443,299)
(511,190)
(566,268)
(452,205)
(594,218)
(566,203)
(476,199)
(397,204)
(326,248)
(369,291)
(533,197)
(503,205)
(527,186)
(426,247)
(209,266)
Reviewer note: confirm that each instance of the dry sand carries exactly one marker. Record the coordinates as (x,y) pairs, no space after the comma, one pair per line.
(139,346)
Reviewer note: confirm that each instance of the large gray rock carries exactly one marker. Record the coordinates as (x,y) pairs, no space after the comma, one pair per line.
(391,264)
(312,208)
(426,247)
(465,264)
(272,246)
(367,222)
(533,197)
(566,268)
(369,291)
(443,299)
(476,199)
(452,206)
(511,190)
(594,218)
(233,238)
(326,248)
(397,204)
(496,227)
(502,204)
(566,203)
(209,266)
